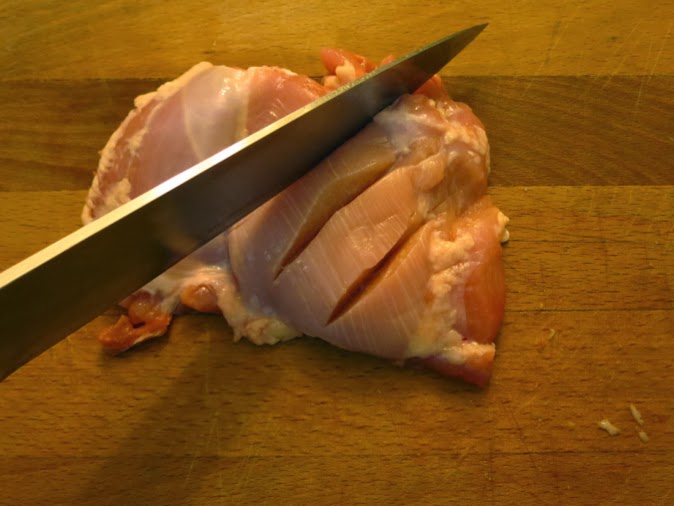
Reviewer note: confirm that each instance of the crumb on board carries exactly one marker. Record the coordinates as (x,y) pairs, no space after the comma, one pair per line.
(570,425)
(643,436)
(608,427)
(636,415)
(543,342)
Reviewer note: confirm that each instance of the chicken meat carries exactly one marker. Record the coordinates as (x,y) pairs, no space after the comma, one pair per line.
(390,246)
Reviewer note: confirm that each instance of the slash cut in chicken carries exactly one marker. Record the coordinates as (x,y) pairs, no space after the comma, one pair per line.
(390,246)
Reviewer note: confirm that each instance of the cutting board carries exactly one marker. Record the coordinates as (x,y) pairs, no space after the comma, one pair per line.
(577,102)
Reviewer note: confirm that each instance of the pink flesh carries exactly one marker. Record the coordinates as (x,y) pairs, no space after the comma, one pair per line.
(188,120)
(295,217)
(388,247)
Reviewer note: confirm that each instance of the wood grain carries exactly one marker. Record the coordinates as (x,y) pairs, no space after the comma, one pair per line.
(325,480)
(577,100)
(195,417)
(618,134)
(150,38)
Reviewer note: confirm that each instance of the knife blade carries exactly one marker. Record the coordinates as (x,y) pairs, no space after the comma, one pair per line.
(57,290)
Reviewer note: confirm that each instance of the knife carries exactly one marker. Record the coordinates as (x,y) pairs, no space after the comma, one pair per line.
(57,290)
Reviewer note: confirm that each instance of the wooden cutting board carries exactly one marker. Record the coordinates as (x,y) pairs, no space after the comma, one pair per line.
(577,101)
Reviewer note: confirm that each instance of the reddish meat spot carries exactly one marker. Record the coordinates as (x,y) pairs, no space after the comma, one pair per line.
(144,320)
(484,296)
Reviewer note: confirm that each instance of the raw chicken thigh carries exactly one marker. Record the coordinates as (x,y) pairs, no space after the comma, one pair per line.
(390,246)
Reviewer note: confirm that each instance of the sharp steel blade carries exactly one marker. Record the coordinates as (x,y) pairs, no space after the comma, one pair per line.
(59,289)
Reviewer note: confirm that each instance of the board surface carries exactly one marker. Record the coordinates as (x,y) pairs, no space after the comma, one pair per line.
(577,98)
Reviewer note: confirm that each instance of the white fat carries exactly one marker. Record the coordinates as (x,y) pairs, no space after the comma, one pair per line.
(136,140)
(502,222)
(608,427)
(261,330)
(441,340)
(117,194)
(92,208)
(444,254)
(142,100)
(346,73)
(435,334)
(475,138)
(471,350)
(108,153)
(258,327)
(331,82)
